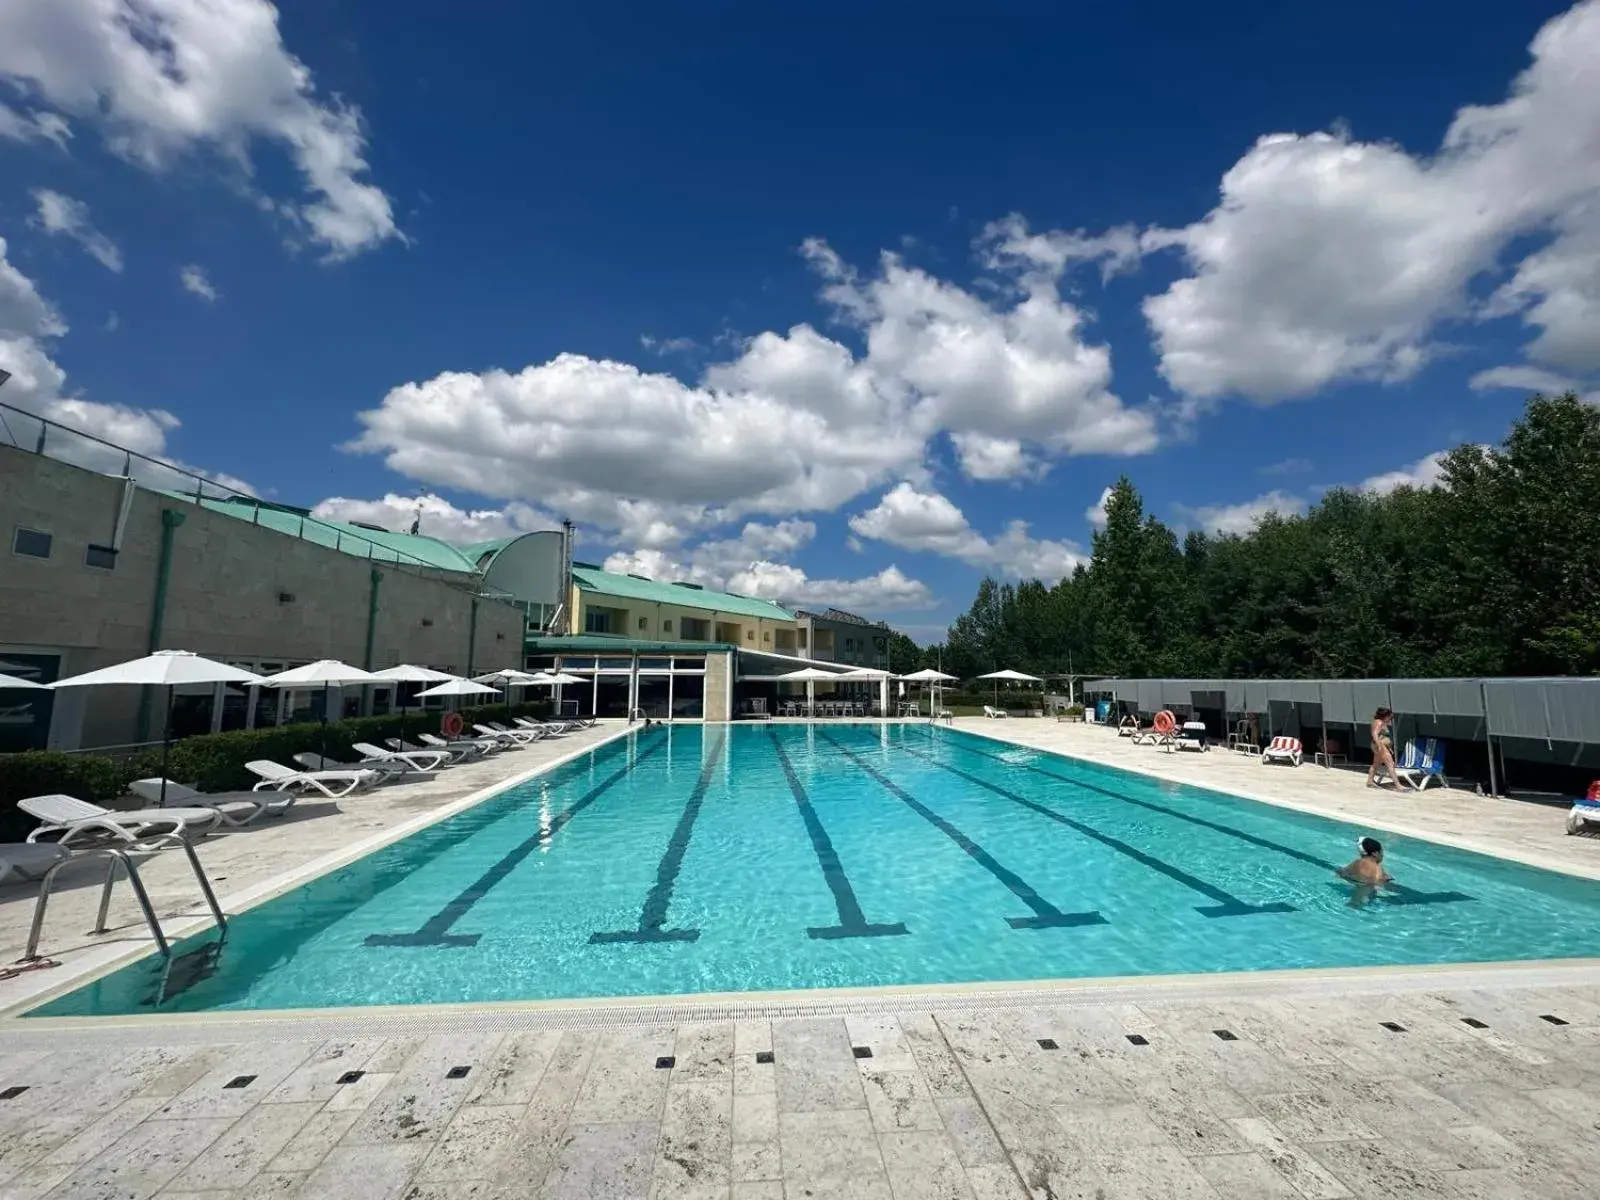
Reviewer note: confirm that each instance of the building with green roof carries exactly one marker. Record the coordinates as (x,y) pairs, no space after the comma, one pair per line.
(634,606)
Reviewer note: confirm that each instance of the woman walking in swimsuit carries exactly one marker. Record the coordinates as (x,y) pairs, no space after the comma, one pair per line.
(1382,751)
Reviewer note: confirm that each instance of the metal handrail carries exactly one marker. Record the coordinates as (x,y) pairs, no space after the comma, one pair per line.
(202,488)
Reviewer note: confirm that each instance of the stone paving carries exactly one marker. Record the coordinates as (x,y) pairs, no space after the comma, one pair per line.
(1474,1095)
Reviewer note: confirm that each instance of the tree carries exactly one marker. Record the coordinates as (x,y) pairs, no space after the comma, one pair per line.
(1496,570)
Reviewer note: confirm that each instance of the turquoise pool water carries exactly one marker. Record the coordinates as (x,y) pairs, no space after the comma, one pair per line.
(767,857)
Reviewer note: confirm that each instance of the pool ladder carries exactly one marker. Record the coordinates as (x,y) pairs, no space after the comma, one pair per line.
(121,853)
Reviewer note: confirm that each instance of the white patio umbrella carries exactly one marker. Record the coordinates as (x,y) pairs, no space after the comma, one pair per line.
(558,681)
(809,676)
(880,677)
(929,675)
(459,687)
(406,673)
(1013,676)
(325,673)
(165,668)
(508,678)
(11,681)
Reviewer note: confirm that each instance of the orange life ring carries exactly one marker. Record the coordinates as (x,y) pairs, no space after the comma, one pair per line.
(1165,722)
(451,725)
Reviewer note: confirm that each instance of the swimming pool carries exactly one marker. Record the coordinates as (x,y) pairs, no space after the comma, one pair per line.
(750,858)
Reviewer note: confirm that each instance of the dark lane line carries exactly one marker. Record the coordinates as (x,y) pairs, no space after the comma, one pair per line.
(654,913)
(1046,916)
(852,921)
(1394,894)
(1227,905)
(435,931)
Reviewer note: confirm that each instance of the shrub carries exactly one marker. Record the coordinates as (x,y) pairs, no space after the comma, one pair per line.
(211,762)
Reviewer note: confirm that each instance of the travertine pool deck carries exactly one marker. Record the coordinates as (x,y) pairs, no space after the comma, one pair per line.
(1471,1082)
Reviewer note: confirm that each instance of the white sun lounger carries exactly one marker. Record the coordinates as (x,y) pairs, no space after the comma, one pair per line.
(331,784)
(420,762)
(22,862)
(73,818)
(236,808)
(478,745)
(995,714)
(1283,750)
(520,738)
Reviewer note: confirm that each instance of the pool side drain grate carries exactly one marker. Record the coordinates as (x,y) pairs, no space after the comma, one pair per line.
(1138,1039)
(861,1051)
(349,1077)
(1048,1044)
(666,1062)
(765,1056)
(11,1093)
(457,1072)
(1552,1018)
(1226,1035)
(240,1081)
(1474,1023)
(1393,1026)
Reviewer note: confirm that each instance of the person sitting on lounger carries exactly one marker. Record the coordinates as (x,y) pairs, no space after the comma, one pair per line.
(1366,872)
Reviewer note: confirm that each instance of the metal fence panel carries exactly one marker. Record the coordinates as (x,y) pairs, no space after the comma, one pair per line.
(1255,695)
(1517,708)
(1149,693)
(1574,706)
(1338,702)
(1234,691)
(1368,698)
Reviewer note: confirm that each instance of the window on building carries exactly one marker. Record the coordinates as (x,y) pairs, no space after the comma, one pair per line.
(597,620)
(802,634)
(696,630)
(644,622)
(31,542)
(666,627)
(767,636)
(749,635)
(102,558)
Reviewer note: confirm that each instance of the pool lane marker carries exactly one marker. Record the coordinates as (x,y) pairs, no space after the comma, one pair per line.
(1046,916)
(1394,893)
(852,921)
(435,931)
(1227,905)
(654,913)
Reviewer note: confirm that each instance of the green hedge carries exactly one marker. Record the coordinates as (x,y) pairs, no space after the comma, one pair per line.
(212,762)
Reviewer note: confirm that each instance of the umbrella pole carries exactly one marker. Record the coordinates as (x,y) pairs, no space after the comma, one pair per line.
(326,689)
(166,746)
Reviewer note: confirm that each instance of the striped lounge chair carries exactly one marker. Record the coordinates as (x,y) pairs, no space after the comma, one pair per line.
(1283,750)
(1422,764)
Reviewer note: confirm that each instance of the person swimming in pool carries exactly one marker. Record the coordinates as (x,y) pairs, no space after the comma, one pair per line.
(1366,872)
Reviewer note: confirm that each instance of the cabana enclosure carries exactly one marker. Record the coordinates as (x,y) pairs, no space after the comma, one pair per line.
(1532,732)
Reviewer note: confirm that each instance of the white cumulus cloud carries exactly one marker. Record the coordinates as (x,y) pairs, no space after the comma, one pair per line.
(1095,514)
(64,216)
(195,280)
(794,422)
(1424,473)
(750,563)
(1242,518)
(436,517)
(163,78)
(931,523)
(1331,259)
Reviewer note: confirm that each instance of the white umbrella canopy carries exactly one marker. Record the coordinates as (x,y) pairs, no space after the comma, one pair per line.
(928,675)
(866,673)
(325,672)
(165,668)
(406,673)
(1015,676)
(563,677)
(460,687)
(11,681)
(810,675)
(507,675)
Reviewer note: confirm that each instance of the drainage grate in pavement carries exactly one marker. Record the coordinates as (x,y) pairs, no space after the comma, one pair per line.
(1393,1026)
(1048,1044)
(861,1051)
(666,1062)
(240,1081)
(349,1077)
(765,1056)
(1552,1018)
(1474,1022)
(1226,1035)
(457,1072)
(11,1093)
(1138,1039)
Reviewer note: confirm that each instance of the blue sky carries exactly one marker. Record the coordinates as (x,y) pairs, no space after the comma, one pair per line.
(837,303)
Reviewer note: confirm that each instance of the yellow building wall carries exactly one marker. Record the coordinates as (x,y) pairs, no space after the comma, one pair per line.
(646,619)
